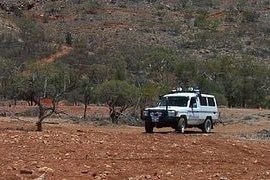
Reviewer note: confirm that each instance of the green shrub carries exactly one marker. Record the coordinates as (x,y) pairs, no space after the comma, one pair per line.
(249,16)
(122,5)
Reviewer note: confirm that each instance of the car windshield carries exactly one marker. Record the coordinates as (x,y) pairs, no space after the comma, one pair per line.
(181,101)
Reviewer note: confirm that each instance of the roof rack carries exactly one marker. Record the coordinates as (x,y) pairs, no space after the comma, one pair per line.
(189,89)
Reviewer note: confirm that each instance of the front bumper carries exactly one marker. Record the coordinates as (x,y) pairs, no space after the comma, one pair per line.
(160,118)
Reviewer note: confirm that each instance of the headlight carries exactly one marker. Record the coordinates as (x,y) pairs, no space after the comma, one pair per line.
(171,113)
(145,113)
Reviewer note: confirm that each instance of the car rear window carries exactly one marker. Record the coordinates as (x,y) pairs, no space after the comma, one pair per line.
(211,102)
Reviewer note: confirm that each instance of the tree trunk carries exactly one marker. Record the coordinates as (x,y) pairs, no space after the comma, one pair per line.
(14,101)
(85,110)
(86,102)
(114,117)
(39,125)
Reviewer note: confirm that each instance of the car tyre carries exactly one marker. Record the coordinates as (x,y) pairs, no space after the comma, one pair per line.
(207,126)
(181,125)
(148,127)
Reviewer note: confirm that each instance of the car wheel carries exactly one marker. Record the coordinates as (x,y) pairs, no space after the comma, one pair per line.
(207,126)
(181,125)
(148,127)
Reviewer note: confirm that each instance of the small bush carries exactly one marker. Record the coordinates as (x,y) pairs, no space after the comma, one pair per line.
(249,16)
(31,112)
(122,5)
(263,134)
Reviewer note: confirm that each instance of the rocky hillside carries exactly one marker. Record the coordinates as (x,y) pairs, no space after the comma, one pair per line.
(148,42)
(195,29)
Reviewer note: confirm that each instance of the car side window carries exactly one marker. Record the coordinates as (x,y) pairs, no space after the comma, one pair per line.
(193,102)
(211,101)
(203,101)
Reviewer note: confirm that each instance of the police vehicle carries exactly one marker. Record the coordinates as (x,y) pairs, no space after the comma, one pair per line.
(181,110)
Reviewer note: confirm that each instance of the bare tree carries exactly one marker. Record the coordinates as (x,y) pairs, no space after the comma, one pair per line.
(51,83)
(46,110)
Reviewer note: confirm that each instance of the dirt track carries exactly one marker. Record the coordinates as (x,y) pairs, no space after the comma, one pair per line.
(84,151)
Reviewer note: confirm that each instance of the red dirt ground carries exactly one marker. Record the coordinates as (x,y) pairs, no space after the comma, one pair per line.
(84,151)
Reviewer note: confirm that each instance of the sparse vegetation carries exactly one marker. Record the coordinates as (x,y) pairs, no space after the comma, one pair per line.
(249,16)
(152,45)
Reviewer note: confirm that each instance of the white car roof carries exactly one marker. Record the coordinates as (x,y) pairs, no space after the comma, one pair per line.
(186,94)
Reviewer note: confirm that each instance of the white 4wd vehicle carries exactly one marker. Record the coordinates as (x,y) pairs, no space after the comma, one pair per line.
(182,110)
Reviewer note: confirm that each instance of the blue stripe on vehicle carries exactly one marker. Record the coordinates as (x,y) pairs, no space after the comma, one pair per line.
(202,111)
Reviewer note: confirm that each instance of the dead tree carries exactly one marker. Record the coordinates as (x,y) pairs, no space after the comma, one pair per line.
(46,111)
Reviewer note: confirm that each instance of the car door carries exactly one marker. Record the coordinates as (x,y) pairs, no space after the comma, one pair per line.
(204,109)
(194,111)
